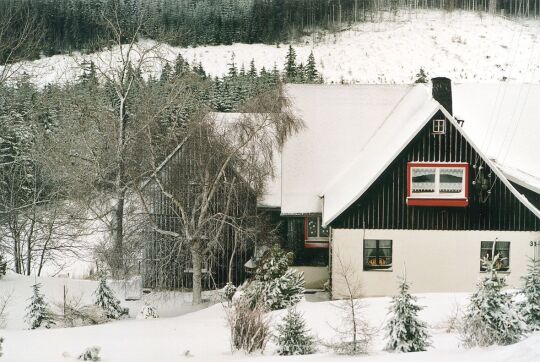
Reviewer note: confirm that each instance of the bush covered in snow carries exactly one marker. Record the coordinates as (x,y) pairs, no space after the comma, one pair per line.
(148,312)
(249,325)
(38,313)
(229,291)
(405,332)
(274,284)
(106,300)
(292,335)
(530,306)
(76,315)
(491,316)
(90,354)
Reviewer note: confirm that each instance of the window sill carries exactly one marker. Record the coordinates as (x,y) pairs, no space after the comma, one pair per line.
(505,272)
(379,270)
(458,202)
(315,245)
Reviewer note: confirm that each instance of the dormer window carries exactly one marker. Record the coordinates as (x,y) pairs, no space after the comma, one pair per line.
(439,126)
(437,184)
(315,235)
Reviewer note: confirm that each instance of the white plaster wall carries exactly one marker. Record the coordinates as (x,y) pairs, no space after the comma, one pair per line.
(314,276)
(434,261)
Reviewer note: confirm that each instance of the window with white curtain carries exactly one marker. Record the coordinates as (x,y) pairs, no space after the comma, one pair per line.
(437,181)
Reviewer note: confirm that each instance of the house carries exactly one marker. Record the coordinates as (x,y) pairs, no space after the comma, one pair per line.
(410,179)
(389,180)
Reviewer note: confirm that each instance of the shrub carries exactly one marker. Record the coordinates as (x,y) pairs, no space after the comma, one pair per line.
(404,331)
(90,354)
(530,306)
(148,312)
(491,316)
(249,325)
(292,335)
(106,300)
(1,341)
(38,313)
(229,291)
(275,285)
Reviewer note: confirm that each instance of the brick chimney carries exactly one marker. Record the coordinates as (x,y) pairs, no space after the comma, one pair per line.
(442,92)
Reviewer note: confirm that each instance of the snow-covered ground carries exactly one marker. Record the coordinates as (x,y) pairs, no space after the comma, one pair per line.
(203,335)
(465,46)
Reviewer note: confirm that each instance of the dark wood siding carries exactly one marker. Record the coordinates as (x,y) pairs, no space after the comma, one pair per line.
(383,205)
(167,259)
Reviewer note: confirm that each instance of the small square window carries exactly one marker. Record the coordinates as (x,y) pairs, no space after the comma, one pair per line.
(439,126)
(502,248)
(315,235)
(377,254)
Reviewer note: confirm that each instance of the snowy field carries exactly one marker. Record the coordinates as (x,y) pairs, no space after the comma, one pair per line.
(203,335)
(464,46)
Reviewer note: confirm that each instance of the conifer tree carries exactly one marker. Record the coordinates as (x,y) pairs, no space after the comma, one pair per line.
(491,317)
(405,332)
(311,74)
(180,66)
(106,300)
(1,341)
(293,336)
(252,69)
(38,313)
(166,73)
(290,64)
(530,306)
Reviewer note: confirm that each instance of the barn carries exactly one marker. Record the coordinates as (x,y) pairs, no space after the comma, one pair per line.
(417,180)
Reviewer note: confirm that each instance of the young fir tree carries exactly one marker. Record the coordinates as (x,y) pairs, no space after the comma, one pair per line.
(290,64)
(1,341)
(252,69)
(311,73)
(106,300)
(292,335)
(491,317)
(530,306)
(38,313)
(405,331)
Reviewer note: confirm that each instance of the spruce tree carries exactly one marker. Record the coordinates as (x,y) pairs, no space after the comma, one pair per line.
(3,266)
(38,313)
(180,66)
(292,335)
(252,69)
(405,332)
(491,317)
(311,74)
(106,300)
(530,306)
(290,64)
(1,341)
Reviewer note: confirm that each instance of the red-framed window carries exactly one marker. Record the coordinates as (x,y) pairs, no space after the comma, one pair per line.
(437,184)
(315,235)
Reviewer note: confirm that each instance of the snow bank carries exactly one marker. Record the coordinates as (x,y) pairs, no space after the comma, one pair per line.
(203,335)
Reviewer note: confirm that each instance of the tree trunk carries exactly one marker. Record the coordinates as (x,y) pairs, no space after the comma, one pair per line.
(196,259)
(118,254)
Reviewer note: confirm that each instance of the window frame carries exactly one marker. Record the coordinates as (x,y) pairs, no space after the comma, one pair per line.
(439,126)
(437,198)
(386,267)
(315,241)
(490,248)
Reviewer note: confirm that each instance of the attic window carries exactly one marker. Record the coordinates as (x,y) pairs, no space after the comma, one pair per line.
(315,235)
(437,184)
(439,126)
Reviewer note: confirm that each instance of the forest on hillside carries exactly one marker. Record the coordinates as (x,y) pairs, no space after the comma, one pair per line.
(68,25)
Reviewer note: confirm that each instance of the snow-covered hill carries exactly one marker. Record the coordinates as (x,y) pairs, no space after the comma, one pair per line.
(203,335)
(464,46)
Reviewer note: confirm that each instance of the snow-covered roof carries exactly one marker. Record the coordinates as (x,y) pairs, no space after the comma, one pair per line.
(339,120)
(354,132)
(503,119)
